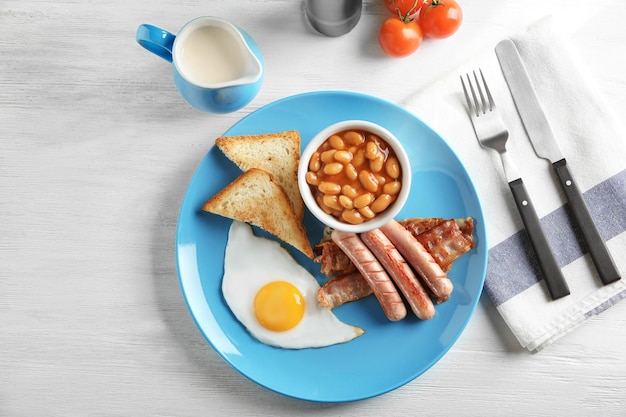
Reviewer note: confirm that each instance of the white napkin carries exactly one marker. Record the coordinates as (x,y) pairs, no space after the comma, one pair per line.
(593,143)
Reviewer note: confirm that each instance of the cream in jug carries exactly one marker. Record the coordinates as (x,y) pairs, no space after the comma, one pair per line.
(210,55)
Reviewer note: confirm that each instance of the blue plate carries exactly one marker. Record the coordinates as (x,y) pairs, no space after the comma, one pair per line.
(389,354)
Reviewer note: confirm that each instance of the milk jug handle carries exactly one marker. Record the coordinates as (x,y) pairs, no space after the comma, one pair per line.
(156,40)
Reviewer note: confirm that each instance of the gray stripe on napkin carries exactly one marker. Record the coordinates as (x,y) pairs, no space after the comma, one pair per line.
(605,305)
(512,267)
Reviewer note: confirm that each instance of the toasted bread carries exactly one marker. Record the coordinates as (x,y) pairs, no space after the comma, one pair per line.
(277,153)
(255,197)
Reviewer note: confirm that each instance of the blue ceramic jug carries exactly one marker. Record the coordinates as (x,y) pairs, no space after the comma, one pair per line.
(217,66)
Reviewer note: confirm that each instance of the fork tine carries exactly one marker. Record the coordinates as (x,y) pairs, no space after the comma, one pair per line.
(491,102)
(470,106)
(477,105)
(477,102)
(483,102)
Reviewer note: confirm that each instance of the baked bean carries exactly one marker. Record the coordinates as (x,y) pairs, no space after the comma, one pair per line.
(371,150)
(392,167)
(323,206)
(392,188)
(327,187)
(332,201)
(328,156)
(336,142)
(345,157)
(352,217)
(333,168)
(367,212)
(363,200)
(314,163)
(351,172)
(368,181)
(354,137)
(312,178)
(346,202)
(358,158)
(354,175)
(381,203)
(349,191)
(376,164)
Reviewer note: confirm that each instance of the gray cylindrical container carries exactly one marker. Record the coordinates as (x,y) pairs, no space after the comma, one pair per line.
(333,17)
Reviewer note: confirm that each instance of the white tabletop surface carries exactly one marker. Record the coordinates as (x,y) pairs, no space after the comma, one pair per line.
(97,148)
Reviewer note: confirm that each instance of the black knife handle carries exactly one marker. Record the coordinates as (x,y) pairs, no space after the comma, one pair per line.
(552,275)
(595,244)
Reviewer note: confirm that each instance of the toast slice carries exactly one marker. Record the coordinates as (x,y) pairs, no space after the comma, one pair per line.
(277,153)
(255,197)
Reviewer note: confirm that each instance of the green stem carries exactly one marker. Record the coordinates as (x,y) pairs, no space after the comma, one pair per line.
(406,18)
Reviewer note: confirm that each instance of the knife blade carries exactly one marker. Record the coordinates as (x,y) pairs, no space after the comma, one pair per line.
(546,146)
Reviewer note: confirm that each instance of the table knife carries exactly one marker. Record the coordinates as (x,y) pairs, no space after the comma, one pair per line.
(546,146)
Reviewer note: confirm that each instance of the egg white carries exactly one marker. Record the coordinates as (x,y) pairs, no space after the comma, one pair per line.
(250,262)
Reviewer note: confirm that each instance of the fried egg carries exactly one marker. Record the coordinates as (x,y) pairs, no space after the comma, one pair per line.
(274,297)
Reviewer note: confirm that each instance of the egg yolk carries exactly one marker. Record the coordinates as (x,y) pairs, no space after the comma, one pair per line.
(279,306)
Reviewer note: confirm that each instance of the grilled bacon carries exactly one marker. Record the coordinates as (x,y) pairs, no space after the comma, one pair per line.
(445,239)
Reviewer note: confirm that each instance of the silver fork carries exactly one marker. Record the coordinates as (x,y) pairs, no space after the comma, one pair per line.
(493,134)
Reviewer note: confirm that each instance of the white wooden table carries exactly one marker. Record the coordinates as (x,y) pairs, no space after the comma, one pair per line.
(96,150)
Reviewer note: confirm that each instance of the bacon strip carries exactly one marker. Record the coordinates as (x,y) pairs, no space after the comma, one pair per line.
(419,258)
(400,272)
(332,259)
(446,240)
(343,289)
(373,272)
(418,225)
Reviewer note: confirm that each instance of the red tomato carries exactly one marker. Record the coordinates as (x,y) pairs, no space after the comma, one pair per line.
(404,8)
(440,18)
(399,37)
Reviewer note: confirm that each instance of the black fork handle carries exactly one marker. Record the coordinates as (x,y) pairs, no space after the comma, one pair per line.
(552,275)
